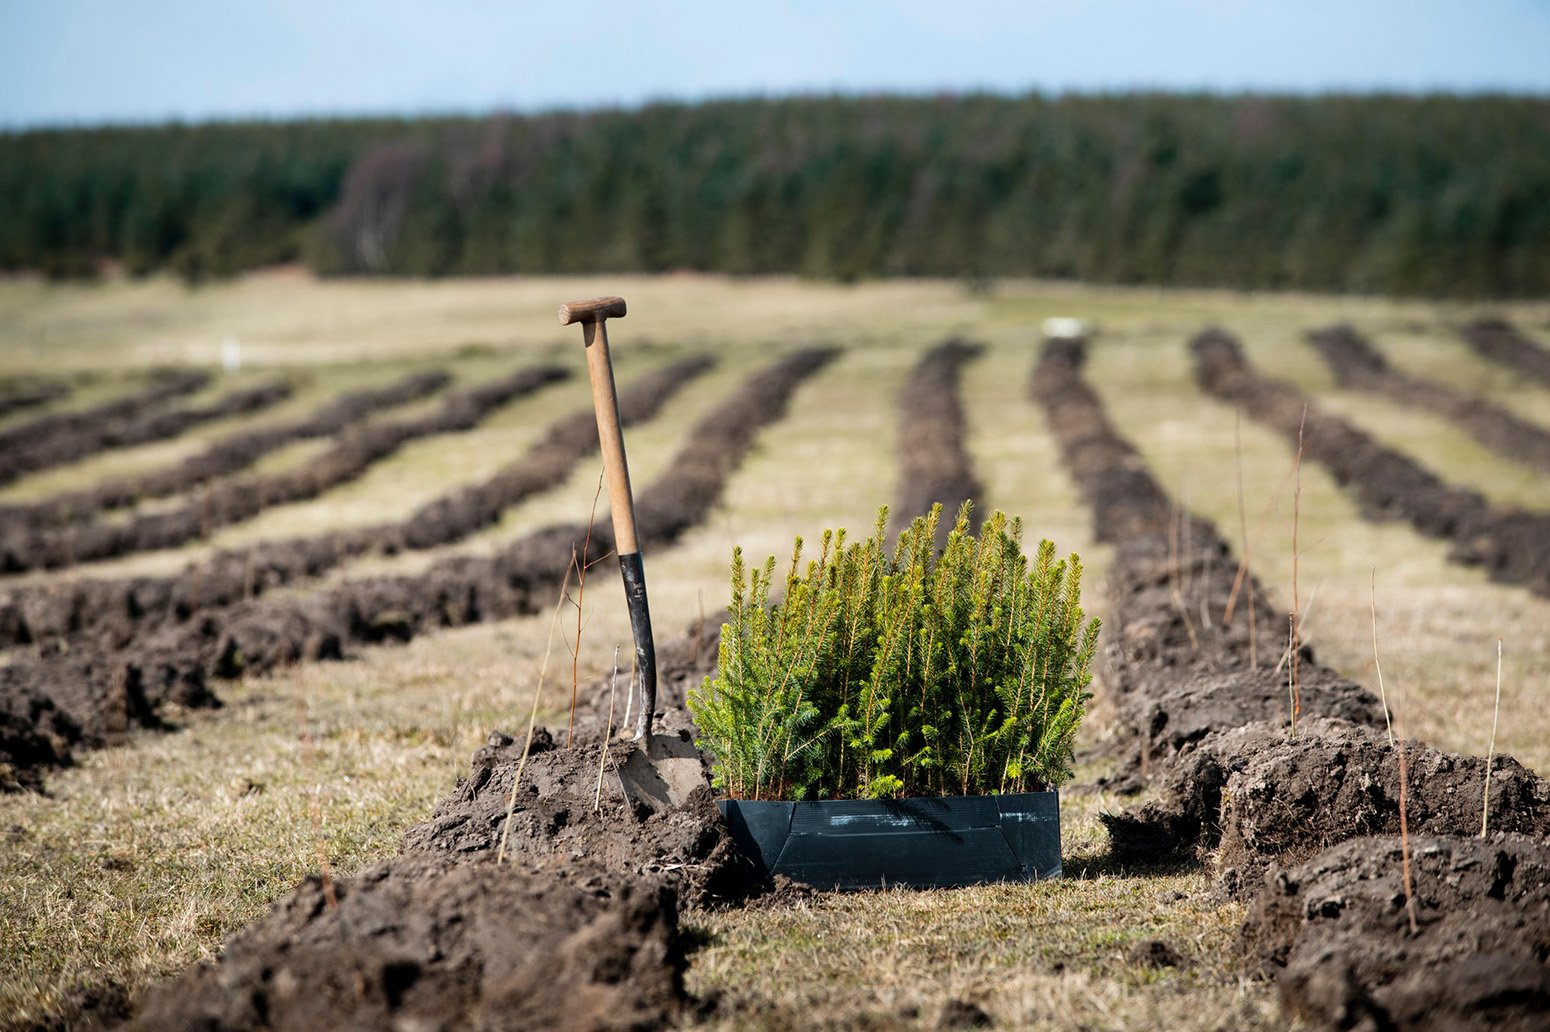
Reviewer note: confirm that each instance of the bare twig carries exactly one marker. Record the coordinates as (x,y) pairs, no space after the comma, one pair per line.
(532,719)
(1259,532)
(608,733)
(1485,805)
(1382,695)
(314,790)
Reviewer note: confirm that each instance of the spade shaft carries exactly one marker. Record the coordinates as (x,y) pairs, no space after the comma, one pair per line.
(593,315)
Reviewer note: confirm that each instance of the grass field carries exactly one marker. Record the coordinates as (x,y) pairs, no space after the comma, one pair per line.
(141,859)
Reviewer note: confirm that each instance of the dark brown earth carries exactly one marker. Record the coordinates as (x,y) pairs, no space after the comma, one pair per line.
(1360,366)
(175,664)
(230,454)
(934,466)
(51,439)
(1511,545)
(27,392)
(576,929)
(231,501)
(413,944)
(1332,930)
(1501,342)
(1335,933)
(120,611)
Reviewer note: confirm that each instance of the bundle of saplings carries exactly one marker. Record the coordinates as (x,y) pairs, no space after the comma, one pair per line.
(901,674)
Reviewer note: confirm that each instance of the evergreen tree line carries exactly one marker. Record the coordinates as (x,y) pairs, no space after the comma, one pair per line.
(1442,196)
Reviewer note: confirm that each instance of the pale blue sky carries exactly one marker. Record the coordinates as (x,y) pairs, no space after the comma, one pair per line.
(91,61)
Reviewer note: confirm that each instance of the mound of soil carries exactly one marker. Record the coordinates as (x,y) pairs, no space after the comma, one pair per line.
(227,502)
(934,466)
(416,945)
(229,455)
(59,437)
(116,612)
(1359,365)
(1335,932)
(1501,342)
(1512,546)
(569,805)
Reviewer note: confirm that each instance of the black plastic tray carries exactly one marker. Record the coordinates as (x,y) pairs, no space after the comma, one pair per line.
(925,843)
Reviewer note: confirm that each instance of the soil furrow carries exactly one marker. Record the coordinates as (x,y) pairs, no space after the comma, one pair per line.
(63,436)
(30,392)
(224,503)
(1266,800)
(581,932)
(103,689)
(1501,342)
(229,455)
(1358,365)
(1178,670)
(116,612)
(1512,546)
(934,466)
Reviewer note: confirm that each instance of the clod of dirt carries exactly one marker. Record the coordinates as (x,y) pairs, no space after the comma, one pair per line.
(1263,798)
(1286,800)
(1154,954)
(1335,932)
(413,945)
(564,808)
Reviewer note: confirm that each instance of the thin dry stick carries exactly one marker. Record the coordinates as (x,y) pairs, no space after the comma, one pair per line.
(629,696)
(1176,577)
(1296,515)
(1382,695)
(1302,623)
(1485,805)
(1205,594)
(532,719)
(315,807)
(608,733)
(1243,531)
(581,590)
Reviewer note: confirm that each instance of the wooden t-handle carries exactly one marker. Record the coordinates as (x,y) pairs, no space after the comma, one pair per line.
(605,402)
(592,310)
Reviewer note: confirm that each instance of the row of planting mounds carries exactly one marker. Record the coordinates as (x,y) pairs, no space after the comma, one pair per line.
(115,612)
(226,502)
(1511,545)
(1267,798)
(1358,365)
(1336,932)
(1178,669)
(1501,342)
(230,454)
(576,928)
(175,662)
(62,436)
(25,392)
(934,465)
